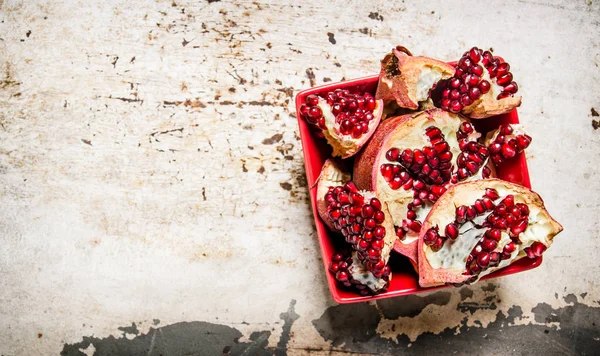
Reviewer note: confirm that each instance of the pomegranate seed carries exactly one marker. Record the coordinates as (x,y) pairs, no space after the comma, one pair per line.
(466,127)
(392,154)
(465,100)
(523,208)
(375,203)
(451,231)
(519,227)
(477,70)
(493,234)
(474,93)
(312,100)
(377,244)
(454,94)
(523,142)
(489,245)
(430,237)
(484,86)
(367,236)
(454,83)
(483,260)
(363,244)
(505,79)
(503,69)
(461,214)
(455,106)
(439,242)
(367,211)
(474,55)
(415,226)
(509,200)
(342,276)
(537,248)
(511,88)
(491,193)
(379,232)
(509,248)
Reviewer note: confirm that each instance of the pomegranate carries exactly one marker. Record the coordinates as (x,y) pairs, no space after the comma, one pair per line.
(346,120)
(482,86)
(410,162)
(407,79)
(359,216)
(506,142)
(349,271)
(478,227)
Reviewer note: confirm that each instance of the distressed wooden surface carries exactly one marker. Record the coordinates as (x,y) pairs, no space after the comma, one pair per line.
(151,173)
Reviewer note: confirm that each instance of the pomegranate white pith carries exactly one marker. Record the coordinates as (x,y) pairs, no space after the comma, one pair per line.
(345,119)
(364,223)
(407,79)
(487,239)
(412,159)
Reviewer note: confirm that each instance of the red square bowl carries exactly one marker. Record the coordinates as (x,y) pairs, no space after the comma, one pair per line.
(404,278)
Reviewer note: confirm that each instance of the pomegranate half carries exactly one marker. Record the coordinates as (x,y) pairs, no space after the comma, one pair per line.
(478,227)
(412,159)
(406,79)
(346,120)
(361,218)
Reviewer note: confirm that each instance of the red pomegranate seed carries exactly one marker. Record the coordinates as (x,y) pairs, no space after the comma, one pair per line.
(430,237)
(519,227)
(483,260)
(474,55)
(505,79)
(503,69)
(456,106)
(489,245)
(451,231)
(484,86)
(493,234)
(392,154)
(537,248)
(491,193)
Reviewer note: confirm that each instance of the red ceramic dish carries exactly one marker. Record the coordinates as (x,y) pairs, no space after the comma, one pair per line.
(404,278)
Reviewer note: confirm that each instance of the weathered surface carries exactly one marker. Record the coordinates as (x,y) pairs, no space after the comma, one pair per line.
(148,150)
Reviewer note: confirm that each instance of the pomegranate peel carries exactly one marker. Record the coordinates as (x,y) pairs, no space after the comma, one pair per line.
(407,79)
(346,120)
(411,160)
(514,224)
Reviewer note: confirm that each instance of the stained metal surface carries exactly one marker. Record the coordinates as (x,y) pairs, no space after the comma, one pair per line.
(153,197)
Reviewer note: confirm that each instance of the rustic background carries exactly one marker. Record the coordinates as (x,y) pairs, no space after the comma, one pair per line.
(153,197)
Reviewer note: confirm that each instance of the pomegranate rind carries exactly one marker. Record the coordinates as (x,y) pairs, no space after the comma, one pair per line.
(402,132)
(345,146)
(488,106)
(332,175)
(445,207)
(403,88)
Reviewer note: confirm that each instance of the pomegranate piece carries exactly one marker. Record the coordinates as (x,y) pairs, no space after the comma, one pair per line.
(410,162)
(349,271)
(346,120)
(406,79)
(506,142)
(482,86)
(478,227)
(362,219)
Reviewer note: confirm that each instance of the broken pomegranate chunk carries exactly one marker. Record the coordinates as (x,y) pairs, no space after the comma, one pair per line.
(346,120)
(406,80)
(480,226)
(482,86)
(359,216)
